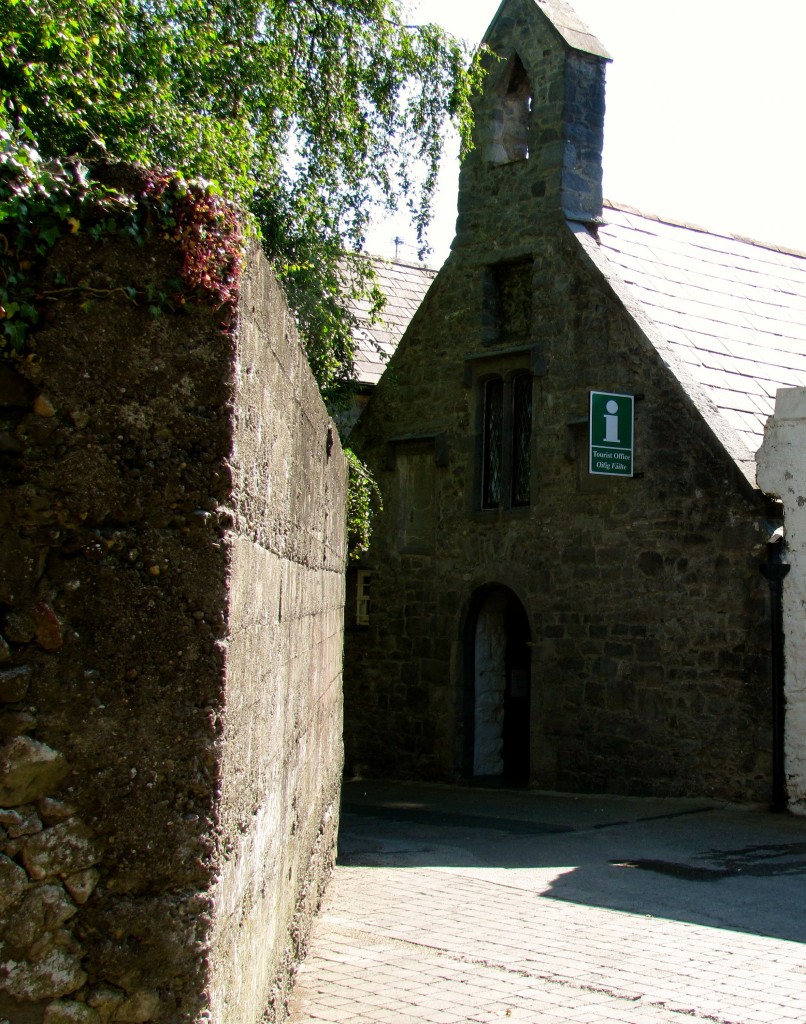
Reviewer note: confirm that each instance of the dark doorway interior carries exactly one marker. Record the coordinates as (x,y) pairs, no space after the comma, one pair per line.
(497,690)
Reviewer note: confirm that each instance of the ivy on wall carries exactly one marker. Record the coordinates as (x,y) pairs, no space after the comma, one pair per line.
(363,500)
(41,201)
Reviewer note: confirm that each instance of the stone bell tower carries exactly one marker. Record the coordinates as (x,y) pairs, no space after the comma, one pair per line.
(539,128)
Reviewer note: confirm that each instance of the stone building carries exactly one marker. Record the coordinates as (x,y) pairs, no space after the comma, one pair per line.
(527,611)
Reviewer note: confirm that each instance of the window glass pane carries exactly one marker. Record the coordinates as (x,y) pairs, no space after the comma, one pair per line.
(362,589)
(521,438)
(492,459)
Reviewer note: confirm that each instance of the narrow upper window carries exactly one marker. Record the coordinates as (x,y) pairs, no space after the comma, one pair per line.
(507,302)
(512,116)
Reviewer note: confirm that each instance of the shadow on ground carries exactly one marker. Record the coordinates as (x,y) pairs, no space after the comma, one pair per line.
(696,861)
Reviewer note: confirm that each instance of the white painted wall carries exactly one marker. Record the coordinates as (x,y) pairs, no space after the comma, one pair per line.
(781,464)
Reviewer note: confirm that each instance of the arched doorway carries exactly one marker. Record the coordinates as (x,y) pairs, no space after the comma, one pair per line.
(497,687)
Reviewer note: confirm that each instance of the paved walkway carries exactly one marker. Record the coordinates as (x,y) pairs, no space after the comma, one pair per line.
(456,905)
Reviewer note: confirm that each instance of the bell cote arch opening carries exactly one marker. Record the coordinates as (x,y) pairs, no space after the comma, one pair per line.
(511,115)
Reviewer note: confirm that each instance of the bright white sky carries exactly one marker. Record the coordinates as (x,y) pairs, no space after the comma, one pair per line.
(706,114)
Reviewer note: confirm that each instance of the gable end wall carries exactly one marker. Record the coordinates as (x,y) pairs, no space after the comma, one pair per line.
(647,611)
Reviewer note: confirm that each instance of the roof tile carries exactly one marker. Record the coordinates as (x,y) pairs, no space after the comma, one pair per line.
(405,286)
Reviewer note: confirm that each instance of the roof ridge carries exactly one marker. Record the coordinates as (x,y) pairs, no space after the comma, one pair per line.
(394,262)
(609,204)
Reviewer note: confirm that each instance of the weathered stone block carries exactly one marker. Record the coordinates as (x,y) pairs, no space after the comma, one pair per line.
(68,1011)
(42,908)
(23,821)
(137,1008)
(106,1000)
(63,849)
(28,770)
(53,811)
(14,683)
(13,882)
(47,626)
(81,884)
(56,972)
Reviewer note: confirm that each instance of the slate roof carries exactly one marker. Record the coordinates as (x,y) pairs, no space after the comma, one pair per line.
(728,313)
(405,286)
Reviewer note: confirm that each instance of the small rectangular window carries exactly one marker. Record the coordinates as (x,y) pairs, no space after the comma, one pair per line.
(507,303)
(362,596)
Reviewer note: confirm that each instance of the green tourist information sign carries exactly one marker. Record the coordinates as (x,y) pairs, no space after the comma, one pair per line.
(611,434)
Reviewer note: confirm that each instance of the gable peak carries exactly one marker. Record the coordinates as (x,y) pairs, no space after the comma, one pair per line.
(563,19)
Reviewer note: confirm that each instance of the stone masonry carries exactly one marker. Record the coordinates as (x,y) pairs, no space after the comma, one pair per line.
(172,547)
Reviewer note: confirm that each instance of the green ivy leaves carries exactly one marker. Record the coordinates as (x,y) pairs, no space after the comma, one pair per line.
(363,499)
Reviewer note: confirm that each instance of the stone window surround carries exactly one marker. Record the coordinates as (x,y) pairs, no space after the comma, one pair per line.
(506,364)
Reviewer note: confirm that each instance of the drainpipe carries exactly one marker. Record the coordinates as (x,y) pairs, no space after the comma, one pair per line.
(774,571)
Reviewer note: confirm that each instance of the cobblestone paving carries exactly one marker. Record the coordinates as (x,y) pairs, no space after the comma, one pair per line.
(402,945)
(443,945)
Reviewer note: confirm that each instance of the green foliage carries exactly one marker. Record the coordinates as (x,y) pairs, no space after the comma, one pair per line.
(307,114)
(363,498)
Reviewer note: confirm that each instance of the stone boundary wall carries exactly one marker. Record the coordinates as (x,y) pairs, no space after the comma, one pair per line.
(282,757)
(782,472)
(171,589)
